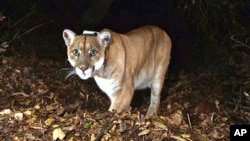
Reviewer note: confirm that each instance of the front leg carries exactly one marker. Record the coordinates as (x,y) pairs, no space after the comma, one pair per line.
(121,99)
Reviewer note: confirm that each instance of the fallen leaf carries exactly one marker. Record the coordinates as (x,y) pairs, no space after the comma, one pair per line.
(160,124)
(18,116)
(4,44)
(87,125)
(60,111)
(216,135)
(92,138)
(144,132)
(217,104)
(58,134)
(106,137)
(122,127)
(27,113)
(50,107)
(37,107)
(204,108)
(176,118)
(49,121)
(224,119)
(164,136)
(69,128)
(185,136)
(204,123)
(2,50)
(6,112)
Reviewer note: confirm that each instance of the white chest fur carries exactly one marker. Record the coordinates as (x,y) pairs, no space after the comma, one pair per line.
(109,86)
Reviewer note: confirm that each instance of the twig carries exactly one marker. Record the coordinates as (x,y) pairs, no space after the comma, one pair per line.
(212,118)
(19,21)
(13,38)
(239,43)
(20,93)
(189,122)
(238,105)
(177,138)
(42,130)
(103,131)
(35,27)
(133,131)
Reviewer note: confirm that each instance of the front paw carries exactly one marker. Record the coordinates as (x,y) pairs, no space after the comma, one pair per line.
(119,109)
(152,112)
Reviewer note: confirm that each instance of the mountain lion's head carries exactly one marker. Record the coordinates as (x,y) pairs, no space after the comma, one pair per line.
(86,53)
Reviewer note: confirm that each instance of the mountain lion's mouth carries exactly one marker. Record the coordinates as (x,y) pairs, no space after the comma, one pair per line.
(84,73)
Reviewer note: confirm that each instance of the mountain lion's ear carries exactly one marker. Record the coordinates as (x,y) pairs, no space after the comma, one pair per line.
(68,37)
(104,37)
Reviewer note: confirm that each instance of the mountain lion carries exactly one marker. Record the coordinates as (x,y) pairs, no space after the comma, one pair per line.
(121,63)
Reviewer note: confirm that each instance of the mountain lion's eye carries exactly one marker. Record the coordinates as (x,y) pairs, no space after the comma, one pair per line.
(76,52)
(92,52)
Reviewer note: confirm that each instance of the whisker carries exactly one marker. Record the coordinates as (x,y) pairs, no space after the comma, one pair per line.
(73,72)
(66,69)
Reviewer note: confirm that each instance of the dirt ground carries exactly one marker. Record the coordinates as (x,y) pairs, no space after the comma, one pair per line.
(37,103)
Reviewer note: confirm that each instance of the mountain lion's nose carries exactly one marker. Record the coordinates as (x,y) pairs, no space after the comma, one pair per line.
(83,68)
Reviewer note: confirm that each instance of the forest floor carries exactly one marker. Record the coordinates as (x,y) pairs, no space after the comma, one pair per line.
(36,103)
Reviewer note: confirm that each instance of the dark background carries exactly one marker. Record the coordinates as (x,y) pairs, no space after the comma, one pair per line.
(200,30)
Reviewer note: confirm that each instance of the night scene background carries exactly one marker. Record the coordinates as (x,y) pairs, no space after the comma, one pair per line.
(207,88)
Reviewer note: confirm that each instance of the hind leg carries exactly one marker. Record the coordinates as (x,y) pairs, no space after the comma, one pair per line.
(155,98)
(156,88)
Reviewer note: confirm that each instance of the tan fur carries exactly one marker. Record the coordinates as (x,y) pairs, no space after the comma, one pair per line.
(135,60)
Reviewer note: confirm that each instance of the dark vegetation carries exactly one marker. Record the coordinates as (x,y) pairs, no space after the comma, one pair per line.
(207,89)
